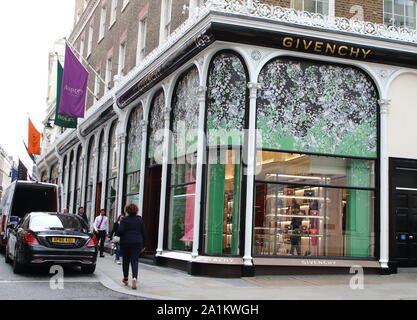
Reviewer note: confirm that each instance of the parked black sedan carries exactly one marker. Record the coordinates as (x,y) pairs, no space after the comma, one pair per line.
(44,238)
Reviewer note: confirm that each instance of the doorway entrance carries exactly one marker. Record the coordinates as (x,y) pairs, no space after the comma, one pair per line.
(151,206)
(404,212)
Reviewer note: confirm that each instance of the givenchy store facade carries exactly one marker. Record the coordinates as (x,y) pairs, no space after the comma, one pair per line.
(248,151)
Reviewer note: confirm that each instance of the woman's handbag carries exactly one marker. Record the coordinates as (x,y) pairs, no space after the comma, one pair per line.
(115,239)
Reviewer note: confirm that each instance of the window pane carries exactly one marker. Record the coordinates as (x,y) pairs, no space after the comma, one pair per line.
(134,141)
(181,218)
(311,221)
(156,125)
(298,4)
(399,7)
(185,115)
(310,5)
(184,169)
(310,169)
(226,104)
(388,6)
(223,202)
(132,182)
(319,108)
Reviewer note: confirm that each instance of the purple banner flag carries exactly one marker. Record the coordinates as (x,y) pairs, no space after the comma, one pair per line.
(74,86)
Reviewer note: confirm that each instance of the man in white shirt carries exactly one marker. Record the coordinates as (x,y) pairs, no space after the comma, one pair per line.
(101,228)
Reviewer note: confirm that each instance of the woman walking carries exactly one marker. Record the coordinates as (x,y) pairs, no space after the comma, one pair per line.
(132,238)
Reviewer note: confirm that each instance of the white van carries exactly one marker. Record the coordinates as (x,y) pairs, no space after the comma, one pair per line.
(22,197)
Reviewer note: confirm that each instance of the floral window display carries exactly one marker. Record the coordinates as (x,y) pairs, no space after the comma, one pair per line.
(133,156)
(156,127)
(226,122)
(184,125)
(318,108)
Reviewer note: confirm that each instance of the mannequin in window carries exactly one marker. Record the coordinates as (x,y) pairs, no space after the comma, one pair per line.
(296,222)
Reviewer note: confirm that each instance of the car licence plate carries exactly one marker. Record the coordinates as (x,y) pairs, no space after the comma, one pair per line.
(63,240)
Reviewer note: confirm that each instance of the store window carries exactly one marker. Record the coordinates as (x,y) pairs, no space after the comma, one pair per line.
(112,174)
(78,179)
(69,188)
(316,158)
(133,156)
(226,121)
(44,177)
(90,179)
(315,6)
(54,174)
(400,13)
(184,126)
(156,130)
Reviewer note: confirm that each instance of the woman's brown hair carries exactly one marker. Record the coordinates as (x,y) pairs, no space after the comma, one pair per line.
(131,209)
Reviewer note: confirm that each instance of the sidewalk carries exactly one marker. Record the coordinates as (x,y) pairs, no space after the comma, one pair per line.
(165,283)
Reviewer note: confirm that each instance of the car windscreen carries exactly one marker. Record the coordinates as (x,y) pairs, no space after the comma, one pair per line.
(57,222)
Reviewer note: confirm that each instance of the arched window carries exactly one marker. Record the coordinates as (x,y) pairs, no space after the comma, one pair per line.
(184,125)
(156,127)
(100,158)
(44,177)
(70,191)
(133,156)
(54,174)
(112,173)
(78,178)
(315,182)
(90,179)
(226,121)
(153,171)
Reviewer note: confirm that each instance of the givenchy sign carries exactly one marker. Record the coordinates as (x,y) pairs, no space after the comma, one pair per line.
(324,47)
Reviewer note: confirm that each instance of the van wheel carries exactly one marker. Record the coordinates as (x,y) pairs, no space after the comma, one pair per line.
(17,267)
(6,256)
(88,269)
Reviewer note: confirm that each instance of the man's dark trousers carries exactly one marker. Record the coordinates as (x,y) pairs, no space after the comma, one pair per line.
(101,237)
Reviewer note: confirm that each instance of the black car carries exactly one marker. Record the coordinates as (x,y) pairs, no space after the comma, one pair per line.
(44,238)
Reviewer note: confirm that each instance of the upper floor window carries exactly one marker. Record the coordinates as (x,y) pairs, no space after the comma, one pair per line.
(122,58)
(97,84)
(400,13)
(113,12)
(102,23)
(109,65)
(82,47)
(194,4)
(165,20)
(143,25)
(90,39)
(315,6)
(85,4)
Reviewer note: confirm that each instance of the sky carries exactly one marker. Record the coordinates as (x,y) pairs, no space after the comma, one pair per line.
(28,30)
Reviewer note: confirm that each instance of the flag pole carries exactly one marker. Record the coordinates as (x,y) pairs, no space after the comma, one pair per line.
(95,72)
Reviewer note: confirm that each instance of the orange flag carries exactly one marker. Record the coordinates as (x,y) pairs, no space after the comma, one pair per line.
(34,140)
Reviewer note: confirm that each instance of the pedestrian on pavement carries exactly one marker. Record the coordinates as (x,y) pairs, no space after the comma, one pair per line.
(82,214)
(101,228)
(132,239)
(115,239)
(65,210)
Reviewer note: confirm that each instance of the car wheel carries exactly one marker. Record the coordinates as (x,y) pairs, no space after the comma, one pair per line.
(88,269)
(6,256)
(17,267)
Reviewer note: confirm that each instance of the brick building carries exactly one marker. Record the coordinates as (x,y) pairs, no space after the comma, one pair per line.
(321,183)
